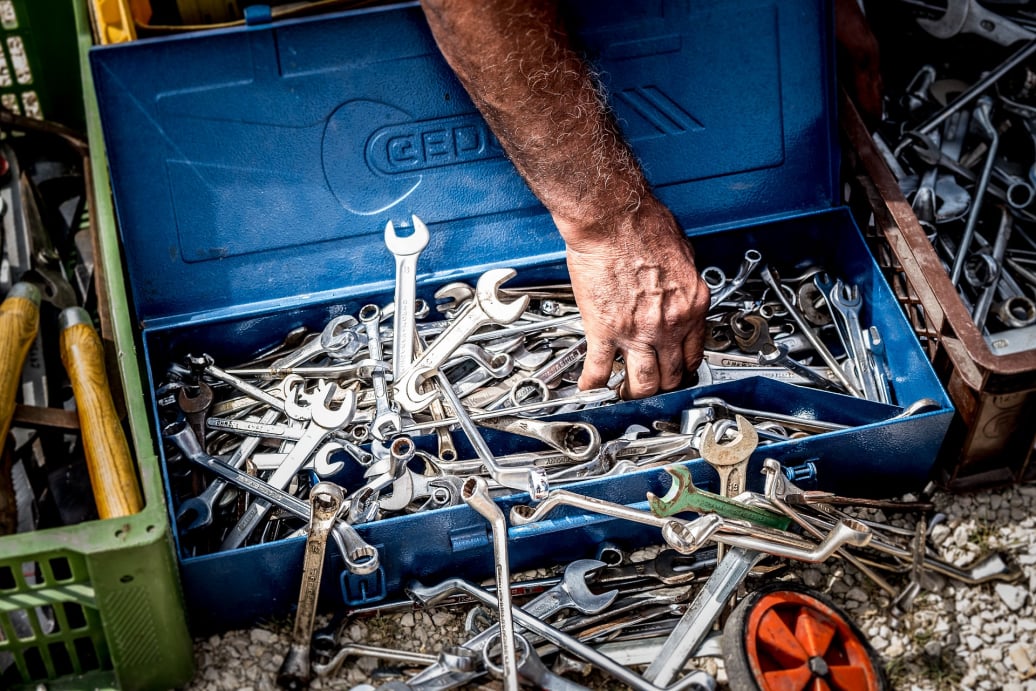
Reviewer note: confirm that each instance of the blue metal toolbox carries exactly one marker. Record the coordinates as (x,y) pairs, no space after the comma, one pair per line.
(254,169)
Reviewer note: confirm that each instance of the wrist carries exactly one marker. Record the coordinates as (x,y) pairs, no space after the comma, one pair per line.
(645,224)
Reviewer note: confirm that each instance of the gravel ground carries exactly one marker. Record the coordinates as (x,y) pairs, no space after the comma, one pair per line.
(954,637)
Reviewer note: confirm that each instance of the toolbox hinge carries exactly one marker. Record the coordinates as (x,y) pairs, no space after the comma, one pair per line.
(258,15)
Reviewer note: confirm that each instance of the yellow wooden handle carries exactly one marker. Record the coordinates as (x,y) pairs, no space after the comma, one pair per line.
(19,322)
(112,471)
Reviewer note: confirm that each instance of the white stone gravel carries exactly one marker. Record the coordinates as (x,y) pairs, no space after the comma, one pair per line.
(955,636)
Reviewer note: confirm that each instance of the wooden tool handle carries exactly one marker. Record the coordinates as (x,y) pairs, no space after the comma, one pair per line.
(19,322)
(108,459)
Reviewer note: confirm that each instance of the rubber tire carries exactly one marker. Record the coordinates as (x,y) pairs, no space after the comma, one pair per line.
(745,673)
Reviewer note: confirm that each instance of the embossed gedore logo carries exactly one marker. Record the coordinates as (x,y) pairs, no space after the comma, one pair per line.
(405,148)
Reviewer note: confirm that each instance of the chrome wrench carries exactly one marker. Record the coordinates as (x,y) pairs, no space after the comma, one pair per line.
(387,420)
(406,250)
(485,308)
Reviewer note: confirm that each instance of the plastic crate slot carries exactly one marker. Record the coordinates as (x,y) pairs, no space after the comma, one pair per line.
(73,615)
(10,102)
(60,569)
(19,60)
(31,105)
(6,80)
(35,667)
(7,581)
(86,654)
(61,658)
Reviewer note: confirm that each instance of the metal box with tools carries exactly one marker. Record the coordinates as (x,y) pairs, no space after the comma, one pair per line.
(254,171)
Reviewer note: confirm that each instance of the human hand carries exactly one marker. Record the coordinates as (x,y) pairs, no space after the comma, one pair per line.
(640,296)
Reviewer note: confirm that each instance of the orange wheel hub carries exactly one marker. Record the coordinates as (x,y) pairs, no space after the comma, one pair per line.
(797,643)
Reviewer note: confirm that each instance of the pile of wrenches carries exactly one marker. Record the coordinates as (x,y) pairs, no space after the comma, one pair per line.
(960,138)
(658,614)
(332,406)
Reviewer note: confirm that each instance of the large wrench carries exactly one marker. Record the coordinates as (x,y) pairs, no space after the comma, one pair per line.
(485,308)
(404,324)
(730,460)
(969,17)
(326,500)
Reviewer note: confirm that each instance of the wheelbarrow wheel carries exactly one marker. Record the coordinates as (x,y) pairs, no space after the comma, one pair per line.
(786,637)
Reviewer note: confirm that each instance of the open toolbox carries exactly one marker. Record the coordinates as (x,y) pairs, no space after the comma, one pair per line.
(254,170)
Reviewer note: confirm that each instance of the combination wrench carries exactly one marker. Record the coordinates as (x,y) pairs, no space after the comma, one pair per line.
(326,501)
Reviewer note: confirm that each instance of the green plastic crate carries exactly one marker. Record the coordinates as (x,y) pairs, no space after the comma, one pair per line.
(39,75)
(109,590)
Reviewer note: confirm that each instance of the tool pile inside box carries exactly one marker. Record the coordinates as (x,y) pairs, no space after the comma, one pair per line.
(422,413)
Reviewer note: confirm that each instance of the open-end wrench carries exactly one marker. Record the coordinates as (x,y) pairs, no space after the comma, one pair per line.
(684,496)
(773,280)
(387,420)
(404,326)
(323,420)
(845,300)
(730,459)
(326,500)
(969,17)
(485,308)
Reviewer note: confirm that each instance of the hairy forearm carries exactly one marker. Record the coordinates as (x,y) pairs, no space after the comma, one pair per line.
(543,104)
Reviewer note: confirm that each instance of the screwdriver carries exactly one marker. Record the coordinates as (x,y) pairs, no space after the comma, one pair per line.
(19,322)
(108,459)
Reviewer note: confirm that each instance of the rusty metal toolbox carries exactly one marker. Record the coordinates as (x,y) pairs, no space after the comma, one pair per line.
(993,385)
(254,170)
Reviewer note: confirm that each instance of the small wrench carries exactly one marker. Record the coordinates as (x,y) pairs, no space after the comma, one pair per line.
(326,500)
(730,460)
(387,420)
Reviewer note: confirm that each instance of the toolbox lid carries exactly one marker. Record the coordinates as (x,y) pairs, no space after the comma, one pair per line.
(256,167)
